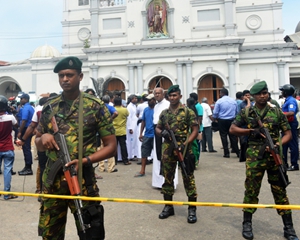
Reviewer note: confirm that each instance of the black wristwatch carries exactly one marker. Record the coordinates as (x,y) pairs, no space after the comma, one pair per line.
(89,162)
(23,140)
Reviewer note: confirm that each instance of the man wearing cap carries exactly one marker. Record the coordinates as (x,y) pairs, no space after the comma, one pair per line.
(26,117)
(184,123)
(64,108)
(290,109)
(147,139)
(273,119)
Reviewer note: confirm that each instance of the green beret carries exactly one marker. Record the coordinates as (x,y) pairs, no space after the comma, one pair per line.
(68,63)
(258,87)
(173,88)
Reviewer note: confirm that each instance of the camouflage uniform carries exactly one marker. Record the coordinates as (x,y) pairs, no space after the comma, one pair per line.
(180,122)
(274,121)
(96,118)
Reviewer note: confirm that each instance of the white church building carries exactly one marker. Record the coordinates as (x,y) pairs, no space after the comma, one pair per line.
(135,45)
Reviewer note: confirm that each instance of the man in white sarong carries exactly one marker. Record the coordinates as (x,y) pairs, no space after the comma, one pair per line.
(131,136)
(161,104)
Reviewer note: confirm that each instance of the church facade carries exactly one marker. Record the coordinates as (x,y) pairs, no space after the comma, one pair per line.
(135,45)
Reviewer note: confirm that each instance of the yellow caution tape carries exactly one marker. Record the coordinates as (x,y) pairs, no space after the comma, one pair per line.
(142,201)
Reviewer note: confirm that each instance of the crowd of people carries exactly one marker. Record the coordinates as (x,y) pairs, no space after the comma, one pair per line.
(155,128)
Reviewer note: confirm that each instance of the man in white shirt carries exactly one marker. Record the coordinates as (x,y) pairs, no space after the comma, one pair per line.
(161,104)
(207,131)
(132,137)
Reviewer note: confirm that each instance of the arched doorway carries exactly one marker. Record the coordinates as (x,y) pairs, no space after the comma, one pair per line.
(114,86)
(9,87)
(159,81)
(209,86)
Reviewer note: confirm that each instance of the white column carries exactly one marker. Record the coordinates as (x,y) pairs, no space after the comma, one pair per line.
(131,89)
(179,74)
(281,75)
(95,70)
(231,78)
(140,80)
(145,23)
(170,22)
(94,23)
(189,78)
(229,17)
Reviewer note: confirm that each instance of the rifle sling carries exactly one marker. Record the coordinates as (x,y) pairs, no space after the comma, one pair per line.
(80,141)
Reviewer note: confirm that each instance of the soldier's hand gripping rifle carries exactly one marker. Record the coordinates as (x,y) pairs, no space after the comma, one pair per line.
(176,147)
(274,152)
(69,172)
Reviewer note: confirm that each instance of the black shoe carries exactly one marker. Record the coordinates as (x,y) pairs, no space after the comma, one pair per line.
(213,151)
(247,230)
(192,217)
(293,168)
(12,172)
(226,156)
(166,212)
(115,170)
(204,151)
(25,172)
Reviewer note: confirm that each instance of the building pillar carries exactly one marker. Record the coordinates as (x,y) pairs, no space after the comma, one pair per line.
(34,83)
(131,89)
(189,78)
(140,80)
(230,26)
(170,22)
(145,23)
(179,74)
(231,78)
(95,70)
(94,11)
(281,74)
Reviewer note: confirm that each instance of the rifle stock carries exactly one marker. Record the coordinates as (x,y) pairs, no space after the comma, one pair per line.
(274,152)
(70,172)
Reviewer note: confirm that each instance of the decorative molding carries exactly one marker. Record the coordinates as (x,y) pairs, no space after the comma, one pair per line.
(84,34)
(267,47)
(253,22)
(208,27)
(76,23)
(130,24)
(260,32)
(185,19)
(197,3)
(115,9)
(260,7)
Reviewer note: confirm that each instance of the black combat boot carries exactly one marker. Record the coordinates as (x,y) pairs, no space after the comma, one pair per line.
(247,226)
(289,231)
(168,209)
(192,217)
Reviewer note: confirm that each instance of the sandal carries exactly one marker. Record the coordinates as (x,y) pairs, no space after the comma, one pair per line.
(98,176)
(127,163)
(139,175)
(10,197)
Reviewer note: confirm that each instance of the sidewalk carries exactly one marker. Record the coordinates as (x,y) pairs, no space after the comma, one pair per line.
(218,180)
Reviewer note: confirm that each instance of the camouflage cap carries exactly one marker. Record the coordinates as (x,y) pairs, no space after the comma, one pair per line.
(258,87)
(173,88)
(68,63)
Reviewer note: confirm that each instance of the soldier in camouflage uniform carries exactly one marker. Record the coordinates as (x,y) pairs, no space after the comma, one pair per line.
(259,159)
(96,118)
(183,122)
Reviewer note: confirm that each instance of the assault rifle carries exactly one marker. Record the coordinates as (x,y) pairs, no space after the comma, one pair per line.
(274,152)
(69,172)
(176,147)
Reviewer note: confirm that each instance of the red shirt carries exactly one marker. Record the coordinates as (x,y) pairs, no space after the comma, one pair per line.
(6,125)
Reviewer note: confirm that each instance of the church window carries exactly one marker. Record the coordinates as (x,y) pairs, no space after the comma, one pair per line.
(83,2)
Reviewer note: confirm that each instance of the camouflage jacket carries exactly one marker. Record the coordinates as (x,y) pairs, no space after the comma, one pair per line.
(96,118)
(179,122)
(274,120)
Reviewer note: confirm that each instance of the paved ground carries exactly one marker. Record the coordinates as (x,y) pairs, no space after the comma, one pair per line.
(218,180)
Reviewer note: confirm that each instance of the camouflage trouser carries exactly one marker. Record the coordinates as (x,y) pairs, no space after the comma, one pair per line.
(53,212)
(255,170)
(169,164)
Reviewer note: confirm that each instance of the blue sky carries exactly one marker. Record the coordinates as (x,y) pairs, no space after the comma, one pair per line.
(29,24)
